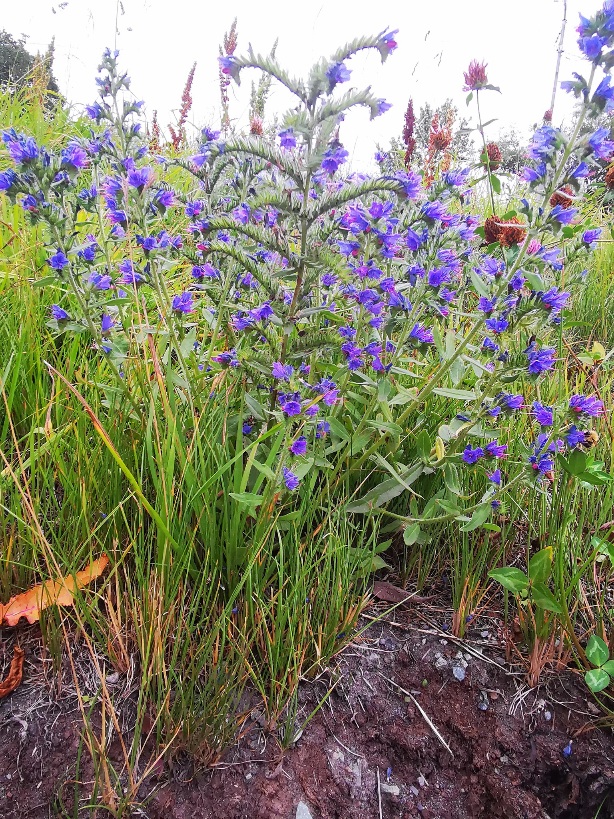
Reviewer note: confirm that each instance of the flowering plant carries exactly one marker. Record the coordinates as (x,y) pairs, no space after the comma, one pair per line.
(360,331)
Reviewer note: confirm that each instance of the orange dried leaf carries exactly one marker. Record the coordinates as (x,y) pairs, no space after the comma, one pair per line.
(51,593)
(13,678)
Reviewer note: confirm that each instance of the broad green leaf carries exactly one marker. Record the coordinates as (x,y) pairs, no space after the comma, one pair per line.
(540,565)
(544,599)
(597,679)
(247,499)
(597,651)
(411,534)
(480,516)
(510,578)
(496,183)
(609,667)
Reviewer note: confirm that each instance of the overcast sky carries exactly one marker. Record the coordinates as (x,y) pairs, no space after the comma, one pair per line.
(160,39)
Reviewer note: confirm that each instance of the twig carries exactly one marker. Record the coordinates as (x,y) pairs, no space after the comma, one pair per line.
(427,719)
(379,794)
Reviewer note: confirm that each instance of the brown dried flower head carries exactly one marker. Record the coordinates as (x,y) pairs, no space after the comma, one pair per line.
(562,197)
(507,233)
(493,152)
(609,178)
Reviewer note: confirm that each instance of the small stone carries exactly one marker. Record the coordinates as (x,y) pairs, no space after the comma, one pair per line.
(485,634)
(414,790)
(440,662)
(112,678)
(459,673)
(248,776)
(547,716)
(302,811)
(444,642)
(422,781)
(505,759)
(393,790)
(483,706)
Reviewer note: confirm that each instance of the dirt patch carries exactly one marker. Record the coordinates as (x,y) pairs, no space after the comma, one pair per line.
(418,725)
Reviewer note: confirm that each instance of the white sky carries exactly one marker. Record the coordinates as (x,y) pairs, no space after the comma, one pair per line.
(160,39)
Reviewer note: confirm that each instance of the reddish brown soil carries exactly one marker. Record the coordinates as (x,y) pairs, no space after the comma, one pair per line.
(506,756)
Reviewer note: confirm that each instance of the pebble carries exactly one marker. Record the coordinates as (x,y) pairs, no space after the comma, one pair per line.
(547,716)
(414,790)
(459,673)
(393,790)
(440,662)
(302,811)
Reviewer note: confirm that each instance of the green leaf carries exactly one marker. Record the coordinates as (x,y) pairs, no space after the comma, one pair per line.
(479,285)
(510,578)
(496,183)
(384,426)
(544,599)
(480,516)
(540,565)
(597,652)
(535,281)
(411,534)
(359,442)
(468,98)
(337,428)
(609,667)
(597,679)
(247,499)
(460,395)
(423,443)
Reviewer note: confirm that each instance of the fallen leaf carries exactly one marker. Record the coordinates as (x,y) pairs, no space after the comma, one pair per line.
(51,593)
(13,678)
(390,593)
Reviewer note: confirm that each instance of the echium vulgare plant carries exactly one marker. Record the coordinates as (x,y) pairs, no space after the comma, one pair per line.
(367,334)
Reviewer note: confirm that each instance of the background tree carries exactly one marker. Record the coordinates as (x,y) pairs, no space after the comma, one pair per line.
(17,64)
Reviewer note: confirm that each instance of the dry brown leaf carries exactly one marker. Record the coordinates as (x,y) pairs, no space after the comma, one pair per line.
(390,593)
(13,678)
(51,593)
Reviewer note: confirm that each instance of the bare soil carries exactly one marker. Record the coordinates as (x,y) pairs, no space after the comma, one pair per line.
(418,724)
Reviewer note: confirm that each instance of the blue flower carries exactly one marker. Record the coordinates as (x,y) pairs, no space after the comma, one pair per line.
(589,237)
(290,479)
(226,359)
(421,334)
(603,147)
(282,372)
(564,215)
(106,324)
(299,446)
(290,403)
(100,281)
(543,415)
(229,66)
(495,477)
(586,405)
(23,149)
(540,360)
(495,449)
(246,428)
(74,156)
(140,177)
(58,261)
(8,179)
(184,303)
(592,46)
(497,325)
(58,313)
(553,300)
(471,456)
(337,73)
(574,437)
(322,429)
(334,156)
(287,140)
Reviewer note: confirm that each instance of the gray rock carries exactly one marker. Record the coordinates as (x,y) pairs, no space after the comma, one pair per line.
(302,811)
(394,790)
(459,673)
